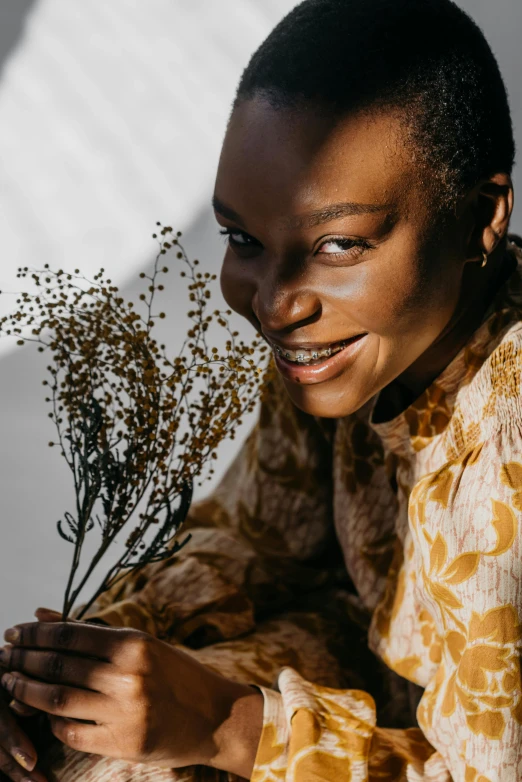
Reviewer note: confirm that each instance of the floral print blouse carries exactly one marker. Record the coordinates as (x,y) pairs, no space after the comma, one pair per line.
(409,532)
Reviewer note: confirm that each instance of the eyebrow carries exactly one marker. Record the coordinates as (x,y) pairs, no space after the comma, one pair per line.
(324,215)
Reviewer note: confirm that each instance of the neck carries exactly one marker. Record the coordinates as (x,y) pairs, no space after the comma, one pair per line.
(479,287)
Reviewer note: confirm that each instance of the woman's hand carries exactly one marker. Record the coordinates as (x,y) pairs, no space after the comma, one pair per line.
(18,755)
(17,752)
(121,693)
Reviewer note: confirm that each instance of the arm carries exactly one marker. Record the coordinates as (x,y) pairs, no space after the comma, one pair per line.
(466,521)
(264,536)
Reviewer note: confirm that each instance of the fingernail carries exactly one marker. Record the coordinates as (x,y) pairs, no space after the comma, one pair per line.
(12,635)
(7,681)
(18,707)
(24,759)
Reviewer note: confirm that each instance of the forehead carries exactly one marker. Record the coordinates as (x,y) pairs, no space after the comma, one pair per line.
(292,160)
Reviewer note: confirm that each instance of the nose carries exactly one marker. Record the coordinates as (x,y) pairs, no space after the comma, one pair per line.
(283,306)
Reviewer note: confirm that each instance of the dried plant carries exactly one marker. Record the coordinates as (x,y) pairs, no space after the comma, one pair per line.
(136,427)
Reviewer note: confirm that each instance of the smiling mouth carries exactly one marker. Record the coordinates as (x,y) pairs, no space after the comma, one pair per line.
(312,355)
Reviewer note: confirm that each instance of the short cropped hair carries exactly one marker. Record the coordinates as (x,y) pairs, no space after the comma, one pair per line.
(425,58)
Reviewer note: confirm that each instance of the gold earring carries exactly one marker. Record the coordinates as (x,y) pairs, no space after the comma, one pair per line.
(484,260)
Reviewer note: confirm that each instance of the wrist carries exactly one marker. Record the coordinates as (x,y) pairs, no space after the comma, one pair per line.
(236,737)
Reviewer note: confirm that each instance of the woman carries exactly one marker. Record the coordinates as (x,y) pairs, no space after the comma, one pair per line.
(349,606)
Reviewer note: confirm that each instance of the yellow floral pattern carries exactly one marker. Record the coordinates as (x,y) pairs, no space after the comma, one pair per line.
(428,416)
(366,576)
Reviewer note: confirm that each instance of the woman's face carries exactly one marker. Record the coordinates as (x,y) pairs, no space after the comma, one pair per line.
(333,251)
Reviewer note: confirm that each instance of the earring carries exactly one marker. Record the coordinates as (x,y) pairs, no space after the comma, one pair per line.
(484,260)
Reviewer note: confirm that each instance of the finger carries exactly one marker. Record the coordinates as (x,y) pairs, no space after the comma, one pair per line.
(43,615)
(57,698)
(15,742)
(18,708)
(84,738)
(48,615)
(93,640)
(21,709)
(67,669)
(14,771)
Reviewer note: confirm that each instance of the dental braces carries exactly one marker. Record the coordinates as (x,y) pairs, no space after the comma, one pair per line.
(301,357)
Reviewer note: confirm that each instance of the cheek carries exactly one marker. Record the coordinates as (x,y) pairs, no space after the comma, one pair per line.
(424,295)
(399,294)
(236,287)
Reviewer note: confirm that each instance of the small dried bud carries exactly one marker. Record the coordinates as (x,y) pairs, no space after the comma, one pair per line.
(139,409)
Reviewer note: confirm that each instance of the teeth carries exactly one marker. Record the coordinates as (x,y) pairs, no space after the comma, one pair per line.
(305,356)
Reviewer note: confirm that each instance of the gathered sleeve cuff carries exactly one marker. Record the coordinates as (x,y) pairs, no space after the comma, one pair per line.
(313,733)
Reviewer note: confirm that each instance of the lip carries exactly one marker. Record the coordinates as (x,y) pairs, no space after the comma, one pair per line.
(302,345)
(305,345)
(326,370)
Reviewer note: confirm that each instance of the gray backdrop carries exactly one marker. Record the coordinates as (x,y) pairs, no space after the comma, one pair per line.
(72,187)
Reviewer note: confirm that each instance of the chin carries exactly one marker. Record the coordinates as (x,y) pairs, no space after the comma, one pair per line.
(324,400)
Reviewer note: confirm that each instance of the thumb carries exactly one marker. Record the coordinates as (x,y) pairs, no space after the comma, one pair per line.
(47,615)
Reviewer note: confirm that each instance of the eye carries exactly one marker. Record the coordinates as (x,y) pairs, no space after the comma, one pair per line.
(352,247)
(231,233)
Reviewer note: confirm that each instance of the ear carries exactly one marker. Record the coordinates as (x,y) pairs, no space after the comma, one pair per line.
(491,205)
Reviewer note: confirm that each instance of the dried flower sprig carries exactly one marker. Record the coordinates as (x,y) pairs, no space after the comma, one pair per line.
(136,427)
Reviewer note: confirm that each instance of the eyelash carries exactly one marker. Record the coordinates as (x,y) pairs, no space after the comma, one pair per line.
(350,244)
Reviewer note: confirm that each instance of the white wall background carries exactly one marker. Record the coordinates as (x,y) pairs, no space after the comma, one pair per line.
(112,117)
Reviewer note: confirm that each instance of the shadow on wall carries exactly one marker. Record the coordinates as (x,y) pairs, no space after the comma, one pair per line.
(13,16)
(37,484)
